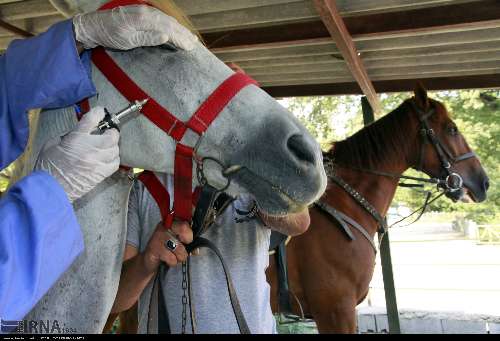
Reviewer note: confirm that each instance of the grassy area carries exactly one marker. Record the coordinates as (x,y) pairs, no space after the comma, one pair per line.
(287,326)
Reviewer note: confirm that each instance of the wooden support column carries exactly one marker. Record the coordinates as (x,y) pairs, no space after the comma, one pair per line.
(385,253)
(336,27)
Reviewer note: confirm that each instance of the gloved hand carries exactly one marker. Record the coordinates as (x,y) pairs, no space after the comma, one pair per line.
(127,27)
(79,161)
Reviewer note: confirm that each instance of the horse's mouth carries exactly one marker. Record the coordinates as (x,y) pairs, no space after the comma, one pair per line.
(271,199)
(469,197)
(463,195)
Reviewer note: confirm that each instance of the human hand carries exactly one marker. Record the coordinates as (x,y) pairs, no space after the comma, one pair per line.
(80,160)
(128,27)
(156,250)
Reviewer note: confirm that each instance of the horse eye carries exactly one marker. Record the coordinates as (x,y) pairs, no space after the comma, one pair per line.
(453,130)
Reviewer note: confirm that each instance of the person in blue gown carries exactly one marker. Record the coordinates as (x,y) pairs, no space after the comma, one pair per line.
(39,234)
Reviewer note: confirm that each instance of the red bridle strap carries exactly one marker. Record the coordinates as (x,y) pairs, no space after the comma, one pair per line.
(116,3)
(159,194)
(132,92)
(161,117)
(213,105)
(183,179)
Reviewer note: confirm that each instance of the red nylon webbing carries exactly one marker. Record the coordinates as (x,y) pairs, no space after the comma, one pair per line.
(183,177)
(161,196)
(116,3)
(159,193)
(213,105)
(162,118)
(132,92)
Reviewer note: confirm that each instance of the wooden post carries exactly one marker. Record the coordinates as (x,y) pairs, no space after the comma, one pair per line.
(385,253)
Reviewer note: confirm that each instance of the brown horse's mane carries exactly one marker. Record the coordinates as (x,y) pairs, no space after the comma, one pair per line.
(374,144)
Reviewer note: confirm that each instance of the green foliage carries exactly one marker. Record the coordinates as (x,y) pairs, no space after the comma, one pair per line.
(5,176)
(476,113)
(328,118)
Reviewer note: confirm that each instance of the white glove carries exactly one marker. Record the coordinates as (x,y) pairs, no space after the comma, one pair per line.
(79,161)
(128,27)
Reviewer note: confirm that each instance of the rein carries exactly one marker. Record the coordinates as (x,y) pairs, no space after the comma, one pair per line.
(451,182)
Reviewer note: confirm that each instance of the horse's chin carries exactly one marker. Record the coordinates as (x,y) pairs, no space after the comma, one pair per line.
(270,199)
(281,207)
(463,195)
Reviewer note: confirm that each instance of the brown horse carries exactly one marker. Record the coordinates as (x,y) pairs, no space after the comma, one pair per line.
(330,273)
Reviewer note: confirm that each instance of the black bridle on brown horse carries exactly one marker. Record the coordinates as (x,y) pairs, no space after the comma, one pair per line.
(447,180)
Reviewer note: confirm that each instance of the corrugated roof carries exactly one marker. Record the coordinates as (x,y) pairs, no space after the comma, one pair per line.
(285,46)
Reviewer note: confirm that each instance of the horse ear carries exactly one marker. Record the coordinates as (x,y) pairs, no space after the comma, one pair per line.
(421,98)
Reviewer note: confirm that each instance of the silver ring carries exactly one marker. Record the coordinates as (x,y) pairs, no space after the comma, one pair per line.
(171,244)
(450,180)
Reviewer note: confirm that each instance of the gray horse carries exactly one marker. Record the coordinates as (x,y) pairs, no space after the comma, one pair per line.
(279,163)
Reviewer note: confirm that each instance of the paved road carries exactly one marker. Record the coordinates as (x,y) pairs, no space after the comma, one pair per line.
(437,269)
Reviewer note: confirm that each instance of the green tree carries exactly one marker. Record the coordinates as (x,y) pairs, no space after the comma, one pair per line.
(476,113)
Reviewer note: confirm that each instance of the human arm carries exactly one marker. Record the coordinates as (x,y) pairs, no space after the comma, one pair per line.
(39,239)
(140,267)
(40,72)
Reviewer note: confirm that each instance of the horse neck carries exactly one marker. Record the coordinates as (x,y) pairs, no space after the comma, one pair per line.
(379,190)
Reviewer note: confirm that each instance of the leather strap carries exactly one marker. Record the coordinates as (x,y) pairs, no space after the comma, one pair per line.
(284,305)
(201,242)
(342,219)
(159,193)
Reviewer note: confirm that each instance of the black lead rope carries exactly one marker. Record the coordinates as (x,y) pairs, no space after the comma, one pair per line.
(201,242)
(421,209)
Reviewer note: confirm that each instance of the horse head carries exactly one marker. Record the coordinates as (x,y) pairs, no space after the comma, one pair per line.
(273,156)
(443,151)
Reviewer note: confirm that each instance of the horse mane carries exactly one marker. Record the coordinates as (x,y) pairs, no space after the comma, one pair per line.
(170,8)
(377,143)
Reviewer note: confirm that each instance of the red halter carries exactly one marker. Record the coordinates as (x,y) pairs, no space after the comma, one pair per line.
(161,117)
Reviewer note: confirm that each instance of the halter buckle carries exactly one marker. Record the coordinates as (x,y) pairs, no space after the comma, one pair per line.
(453,182)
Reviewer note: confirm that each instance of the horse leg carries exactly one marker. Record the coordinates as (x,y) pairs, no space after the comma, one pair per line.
(341,319)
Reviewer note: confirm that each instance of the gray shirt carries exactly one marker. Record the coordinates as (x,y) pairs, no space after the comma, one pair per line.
(243,242)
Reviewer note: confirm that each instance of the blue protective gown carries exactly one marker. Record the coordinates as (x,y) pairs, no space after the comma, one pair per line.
(39,234)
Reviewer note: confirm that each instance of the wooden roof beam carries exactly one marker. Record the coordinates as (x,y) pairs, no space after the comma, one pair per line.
(488,81)
(410,20)
(333,21)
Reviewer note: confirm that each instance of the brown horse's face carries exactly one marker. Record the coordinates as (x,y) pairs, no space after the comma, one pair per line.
(475,180)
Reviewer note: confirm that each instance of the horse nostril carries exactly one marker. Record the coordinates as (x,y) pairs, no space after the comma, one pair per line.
(486,184)
(300,147)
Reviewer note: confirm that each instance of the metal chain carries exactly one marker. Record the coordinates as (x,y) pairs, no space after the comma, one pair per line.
(330,171)
(184,297)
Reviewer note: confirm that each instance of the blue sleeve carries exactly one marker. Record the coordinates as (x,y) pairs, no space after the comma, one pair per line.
(40,72)
(39,240)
